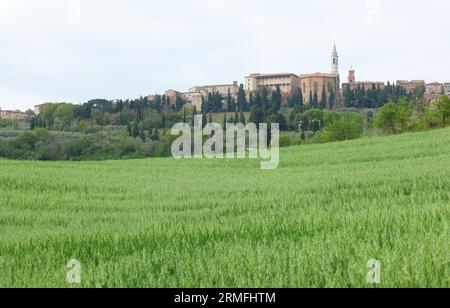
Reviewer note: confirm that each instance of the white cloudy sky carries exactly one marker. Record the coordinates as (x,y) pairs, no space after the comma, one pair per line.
(50,51)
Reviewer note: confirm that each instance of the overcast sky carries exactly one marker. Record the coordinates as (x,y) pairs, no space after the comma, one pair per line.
(76,50)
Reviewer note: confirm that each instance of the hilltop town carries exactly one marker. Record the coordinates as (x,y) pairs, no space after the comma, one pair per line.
(310,85)
(321,87)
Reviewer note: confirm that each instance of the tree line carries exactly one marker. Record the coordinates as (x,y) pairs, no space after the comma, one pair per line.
(377,97)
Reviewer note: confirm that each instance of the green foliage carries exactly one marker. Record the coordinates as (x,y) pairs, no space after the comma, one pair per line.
(242,104)
(404,113)
(395,118)
(323,102)
(42,144)
(443,107)
(296,101)
(346,126)
(387,118)
(377,97)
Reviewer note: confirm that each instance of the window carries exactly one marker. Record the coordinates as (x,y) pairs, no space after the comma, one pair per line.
(304,87)
(316,87)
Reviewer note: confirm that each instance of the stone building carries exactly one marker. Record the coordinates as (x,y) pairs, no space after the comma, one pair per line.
(172,95)
(193,98)
(353,84)
(221,88)
(12,115)
(411,85)
(196,95)
(315,83)
(287,82)
(447,88)
(434,88)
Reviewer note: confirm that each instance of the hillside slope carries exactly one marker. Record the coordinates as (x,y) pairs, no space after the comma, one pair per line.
(313,222)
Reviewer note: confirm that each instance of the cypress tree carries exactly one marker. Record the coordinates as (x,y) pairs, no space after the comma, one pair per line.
(194,113)
(204,120)
(315,100)
(250,101)
(130,132)
(279,97)
(33,123)
(135,129)
(242,100)
(331,99)
(229,100)
(323,103)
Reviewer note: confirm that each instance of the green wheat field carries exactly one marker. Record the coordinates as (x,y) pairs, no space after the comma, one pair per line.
(313,222)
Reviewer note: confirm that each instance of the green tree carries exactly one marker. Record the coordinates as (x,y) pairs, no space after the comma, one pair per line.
(315,100)
(129,129)
(204,120)
(404,113)
(33,123)
(443,107)
(276,99)
(135,129)
(386,118)
(179,103)
(256,115)
(194,113)
(323,102)
(242,99)
(331,99)
(311,100)
(346,128)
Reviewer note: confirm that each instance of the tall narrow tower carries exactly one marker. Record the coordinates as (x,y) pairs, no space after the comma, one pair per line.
(351,76)
(335,61)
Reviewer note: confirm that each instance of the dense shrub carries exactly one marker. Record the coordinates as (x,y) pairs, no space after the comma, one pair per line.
(340,127)
(42,144)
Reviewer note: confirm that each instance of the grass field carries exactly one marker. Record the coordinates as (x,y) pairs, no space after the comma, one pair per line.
(313,222)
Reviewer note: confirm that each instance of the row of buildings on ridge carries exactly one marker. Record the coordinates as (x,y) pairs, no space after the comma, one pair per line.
(289,84)
(308,84)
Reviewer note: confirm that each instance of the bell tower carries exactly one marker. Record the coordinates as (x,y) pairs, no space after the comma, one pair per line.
(351,76)
(335,61)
